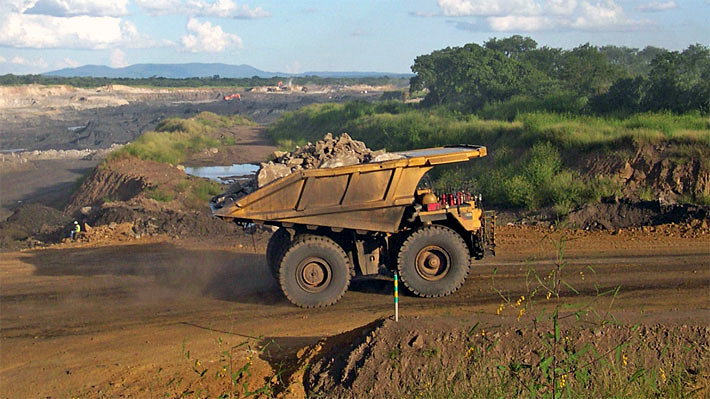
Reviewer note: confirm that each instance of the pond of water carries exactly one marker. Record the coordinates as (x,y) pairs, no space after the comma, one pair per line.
(224,174)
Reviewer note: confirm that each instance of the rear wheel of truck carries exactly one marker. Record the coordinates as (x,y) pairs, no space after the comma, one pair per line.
(314,272)
(278,244)
(433,261)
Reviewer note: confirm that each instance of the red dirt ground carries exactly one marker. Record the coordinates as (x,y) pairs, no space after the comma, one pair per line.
(115,319)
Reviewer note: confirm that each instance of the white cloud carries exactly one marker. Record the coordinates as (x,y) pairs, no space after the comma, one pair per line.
(2,60)
(225,9)
(458,8)
(71,8)
(39,31)
(160,7)
(658,6)
(19,60)
(600,15)
(561,7)
(16,6)
(537,15)
(518,23)
(36,63)
(69,62)
(204,37)
(82,32)
(202,8)
(118,58)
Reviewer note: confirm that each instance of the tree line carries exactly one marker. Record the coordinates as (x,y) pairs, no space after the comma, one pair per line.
(211,81)
(602,80)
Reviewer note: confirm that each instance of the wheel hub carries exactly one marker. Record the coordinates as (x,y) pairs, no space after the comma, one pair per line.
(313,274)
(432,263)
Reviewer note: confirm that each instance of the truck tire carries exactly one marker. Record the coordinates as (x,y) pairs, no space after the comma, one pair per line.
(433,261)
(278,244)
(314,272)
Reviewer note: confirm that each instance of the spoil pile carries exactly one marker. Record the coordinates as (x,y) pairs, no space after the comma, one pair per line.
(612,214)
(432,355)
(32,222)
(331,152)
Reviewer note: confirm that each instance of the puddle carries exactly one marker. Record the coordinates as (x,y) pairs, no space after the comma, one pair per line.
(224,174)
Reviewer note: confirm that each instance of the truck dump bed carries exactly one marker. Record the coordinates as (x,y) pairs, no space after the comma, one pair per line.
(366,197)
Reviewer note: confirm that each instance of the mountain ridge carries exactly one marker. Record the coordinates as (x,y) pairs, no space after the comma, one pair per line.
(200,70)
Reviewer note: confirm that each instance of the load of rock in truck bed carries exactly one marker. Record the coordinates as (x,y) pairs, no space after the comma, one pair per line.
(331,152)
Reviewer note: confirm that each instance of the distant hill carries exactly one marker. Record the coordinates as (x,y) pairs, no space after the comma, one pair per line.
(352,74)
(196,70)
(172,71)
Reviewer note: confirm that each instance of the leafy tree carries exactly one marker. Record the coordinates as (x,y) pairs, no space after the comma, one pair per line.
(547,60)
(624,96)
(515,46)
(678,82)
(469,77)
(585,70)
(631,61)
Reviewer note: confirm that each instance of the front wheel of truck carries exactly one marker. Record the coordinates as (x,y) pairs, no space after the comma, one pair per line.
(433,261)
(314,272)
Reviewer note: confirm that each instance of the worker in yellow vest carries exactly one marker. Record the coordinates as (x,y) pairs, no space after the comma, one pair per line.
(75,230)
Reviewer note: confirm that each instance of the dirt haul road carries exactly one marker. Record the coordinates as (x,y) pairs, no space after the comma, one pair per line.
(119,320)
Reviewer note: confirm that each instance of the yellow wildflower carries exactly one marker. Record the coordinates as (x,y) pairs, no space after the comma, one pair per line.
(625,360)
(663,374)
(483,333)
(469,352)
(520,300)
(500,309)
(521,313)
(563,380)
(549,294)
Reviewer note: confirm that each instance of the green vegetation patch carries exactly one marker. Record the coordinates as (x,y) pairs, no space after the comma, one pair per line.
(396,126)
(200,192)
(530,156)
(175,139)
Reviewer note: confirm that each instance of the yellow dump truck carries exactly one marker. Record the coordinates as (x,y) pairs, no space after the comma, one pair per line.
(334,224)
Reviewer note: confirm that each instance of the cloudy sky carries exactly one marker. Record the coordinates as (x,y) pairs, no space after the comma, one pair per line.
(321,35)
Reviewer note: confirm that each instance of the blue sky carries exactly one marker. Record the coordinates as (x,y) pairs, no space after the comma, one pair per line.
(319,35)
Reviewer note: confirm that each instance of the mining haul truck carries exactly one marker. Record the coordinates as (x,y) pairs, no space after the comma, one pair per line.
(360,220)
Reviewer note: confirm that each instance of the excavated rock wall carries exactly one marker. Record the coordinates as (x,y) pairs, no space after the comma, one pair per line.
(659,168)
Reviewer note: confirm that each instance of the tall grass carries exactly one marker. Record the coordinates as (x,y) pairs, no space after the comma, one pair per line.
(529,170)
(559,102)
(589,132)
(174,139)
(400,127)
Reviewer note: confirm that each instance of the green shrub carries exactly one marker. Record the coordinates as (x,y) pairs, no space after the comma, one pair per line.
(560,102)
(175,139)
(646,194)
(201,190)
(160,194)
(520,192)
(601,187)
(527,169)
